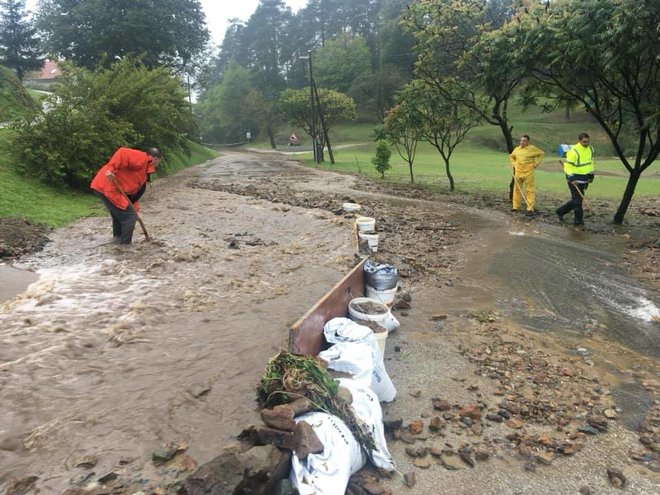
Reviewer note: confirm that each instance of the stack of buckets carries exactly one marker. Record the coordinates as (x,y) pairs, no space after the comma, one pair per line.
(366,231)
(381,283)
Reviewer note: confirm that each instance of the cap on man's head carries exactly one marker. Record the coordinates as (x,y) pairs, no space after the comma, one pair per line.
(155,152)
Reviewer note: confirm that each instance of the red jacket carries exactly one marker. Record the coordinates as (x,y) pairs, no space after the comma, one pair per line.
(130,168)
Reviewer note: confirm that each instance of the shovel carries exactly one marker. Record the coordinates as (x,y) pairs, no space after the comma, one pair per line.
(139,218)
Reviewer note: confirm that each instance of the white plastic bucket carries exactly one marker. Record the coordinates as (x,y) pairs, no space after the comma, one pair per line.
(350,207)
(385,296)
(363,309)
(372,240)
(365,224)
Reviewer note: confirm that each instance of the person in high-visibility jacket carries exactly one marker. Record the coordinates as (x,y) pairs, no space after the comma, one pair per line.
(579,169)
(130,170)
(524,159)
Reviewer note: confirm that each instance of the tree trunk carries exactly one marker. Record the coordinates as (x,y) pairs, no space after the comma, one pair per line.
(627,196)
(271,137)
(449,176)
(410,167)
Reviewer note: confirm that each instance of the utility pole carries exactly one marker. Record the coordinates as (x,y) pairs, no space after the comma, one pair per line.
(311,100)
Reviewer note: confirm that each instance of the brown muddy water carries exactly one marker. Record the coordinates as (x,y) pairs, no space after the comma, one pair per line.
(114,351)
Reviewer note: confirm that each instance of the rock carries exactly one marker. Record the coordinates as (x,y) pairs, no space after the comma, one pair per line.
(436,423)
(441,405)
(437,449)
(481,454)
(423,462)
(407,437)
(306,441)
(585,490)
(300,406)
(616,477)
(515,423)
(108,478)
(85,461)
(417,451)
(373,488)
(438,317)
(451,462)
(598,422)
(200,390)
(610,413)
(588,429)
(544,458)
(256,471)
(19,487)
(466,457)
(416,393)
(163,454)
(392,423)
(280,418)
(416,426)
(410,479)
(182,463)
(471,411)
(494,417)
(260,436)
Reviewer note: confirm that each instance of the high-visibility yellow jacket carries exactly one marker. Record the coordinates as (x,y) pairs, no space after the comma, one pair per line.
(525,160)
(579,160)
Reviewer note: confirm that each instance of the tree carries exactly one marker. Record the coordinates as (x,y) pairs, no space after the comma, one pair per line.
(402,127)
(382,159)
(92,113)
(458,39)
(604,54)
(92,32)
(225,112)
(19,45)
(296,106)
(341,61)
(445,122)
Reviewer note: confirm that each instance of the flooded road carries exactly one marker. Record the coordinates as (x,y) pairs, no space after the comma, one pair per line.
(115,351)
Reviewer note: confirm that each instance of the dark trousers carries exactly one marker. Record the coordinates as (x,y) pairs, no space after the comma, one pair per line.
(123,221)
(575,204)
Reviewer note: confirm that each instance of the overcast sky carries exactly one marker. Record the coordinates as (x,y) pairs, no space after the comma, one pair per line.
(218,13)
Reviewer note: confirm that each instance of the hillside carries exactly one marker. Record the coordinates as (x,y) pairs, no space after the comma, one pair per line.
(13,97)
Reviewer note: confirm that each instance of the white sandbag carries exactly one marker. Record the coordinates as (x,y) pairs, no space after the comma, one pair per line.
(367,409)
(328,472)
(345,330)
(355,358)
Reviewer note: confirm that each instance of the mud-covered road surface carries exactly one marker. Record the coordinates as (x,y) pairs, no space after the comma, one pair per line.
(113,352)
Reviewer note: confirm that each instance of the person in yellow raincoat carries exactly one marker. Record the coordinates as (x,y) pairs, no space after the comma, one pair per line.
(524,160)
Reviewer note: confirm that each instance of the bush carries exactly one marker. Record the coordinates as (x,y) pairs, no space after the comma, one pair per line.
(92,114)
(382,159)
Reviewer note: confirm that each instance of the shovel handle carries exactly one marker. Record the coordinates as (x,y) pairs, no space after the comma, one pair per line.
(139,217)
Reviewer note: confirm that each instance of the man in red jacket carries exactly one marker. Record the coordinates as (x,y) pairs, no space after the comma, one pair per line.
(130,170)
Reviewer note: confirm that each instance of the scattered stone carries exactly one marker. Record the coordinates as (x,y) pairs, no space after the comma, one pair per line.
(616,477)
(471,411)
(481,454)
(515,423)
(392,423)
(441,405)
(417,451)
(544,457)
(198,390)
(585,490)
(416,393)
(610,413)
(588,429)
(451,462)
(81,478)
(436,423)
(494,417)
(416,426)
(108,478)
(423,462)
(466,457)
(85,461)
(598,422)
(307,442)
(529,466)
(280,418)
(163,455)
(410,479)
(19,487)
(438,317)
(407,437)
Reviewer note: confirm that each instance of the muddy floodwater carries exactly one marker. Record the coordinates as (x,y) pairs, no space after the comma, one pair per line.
(113,351)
